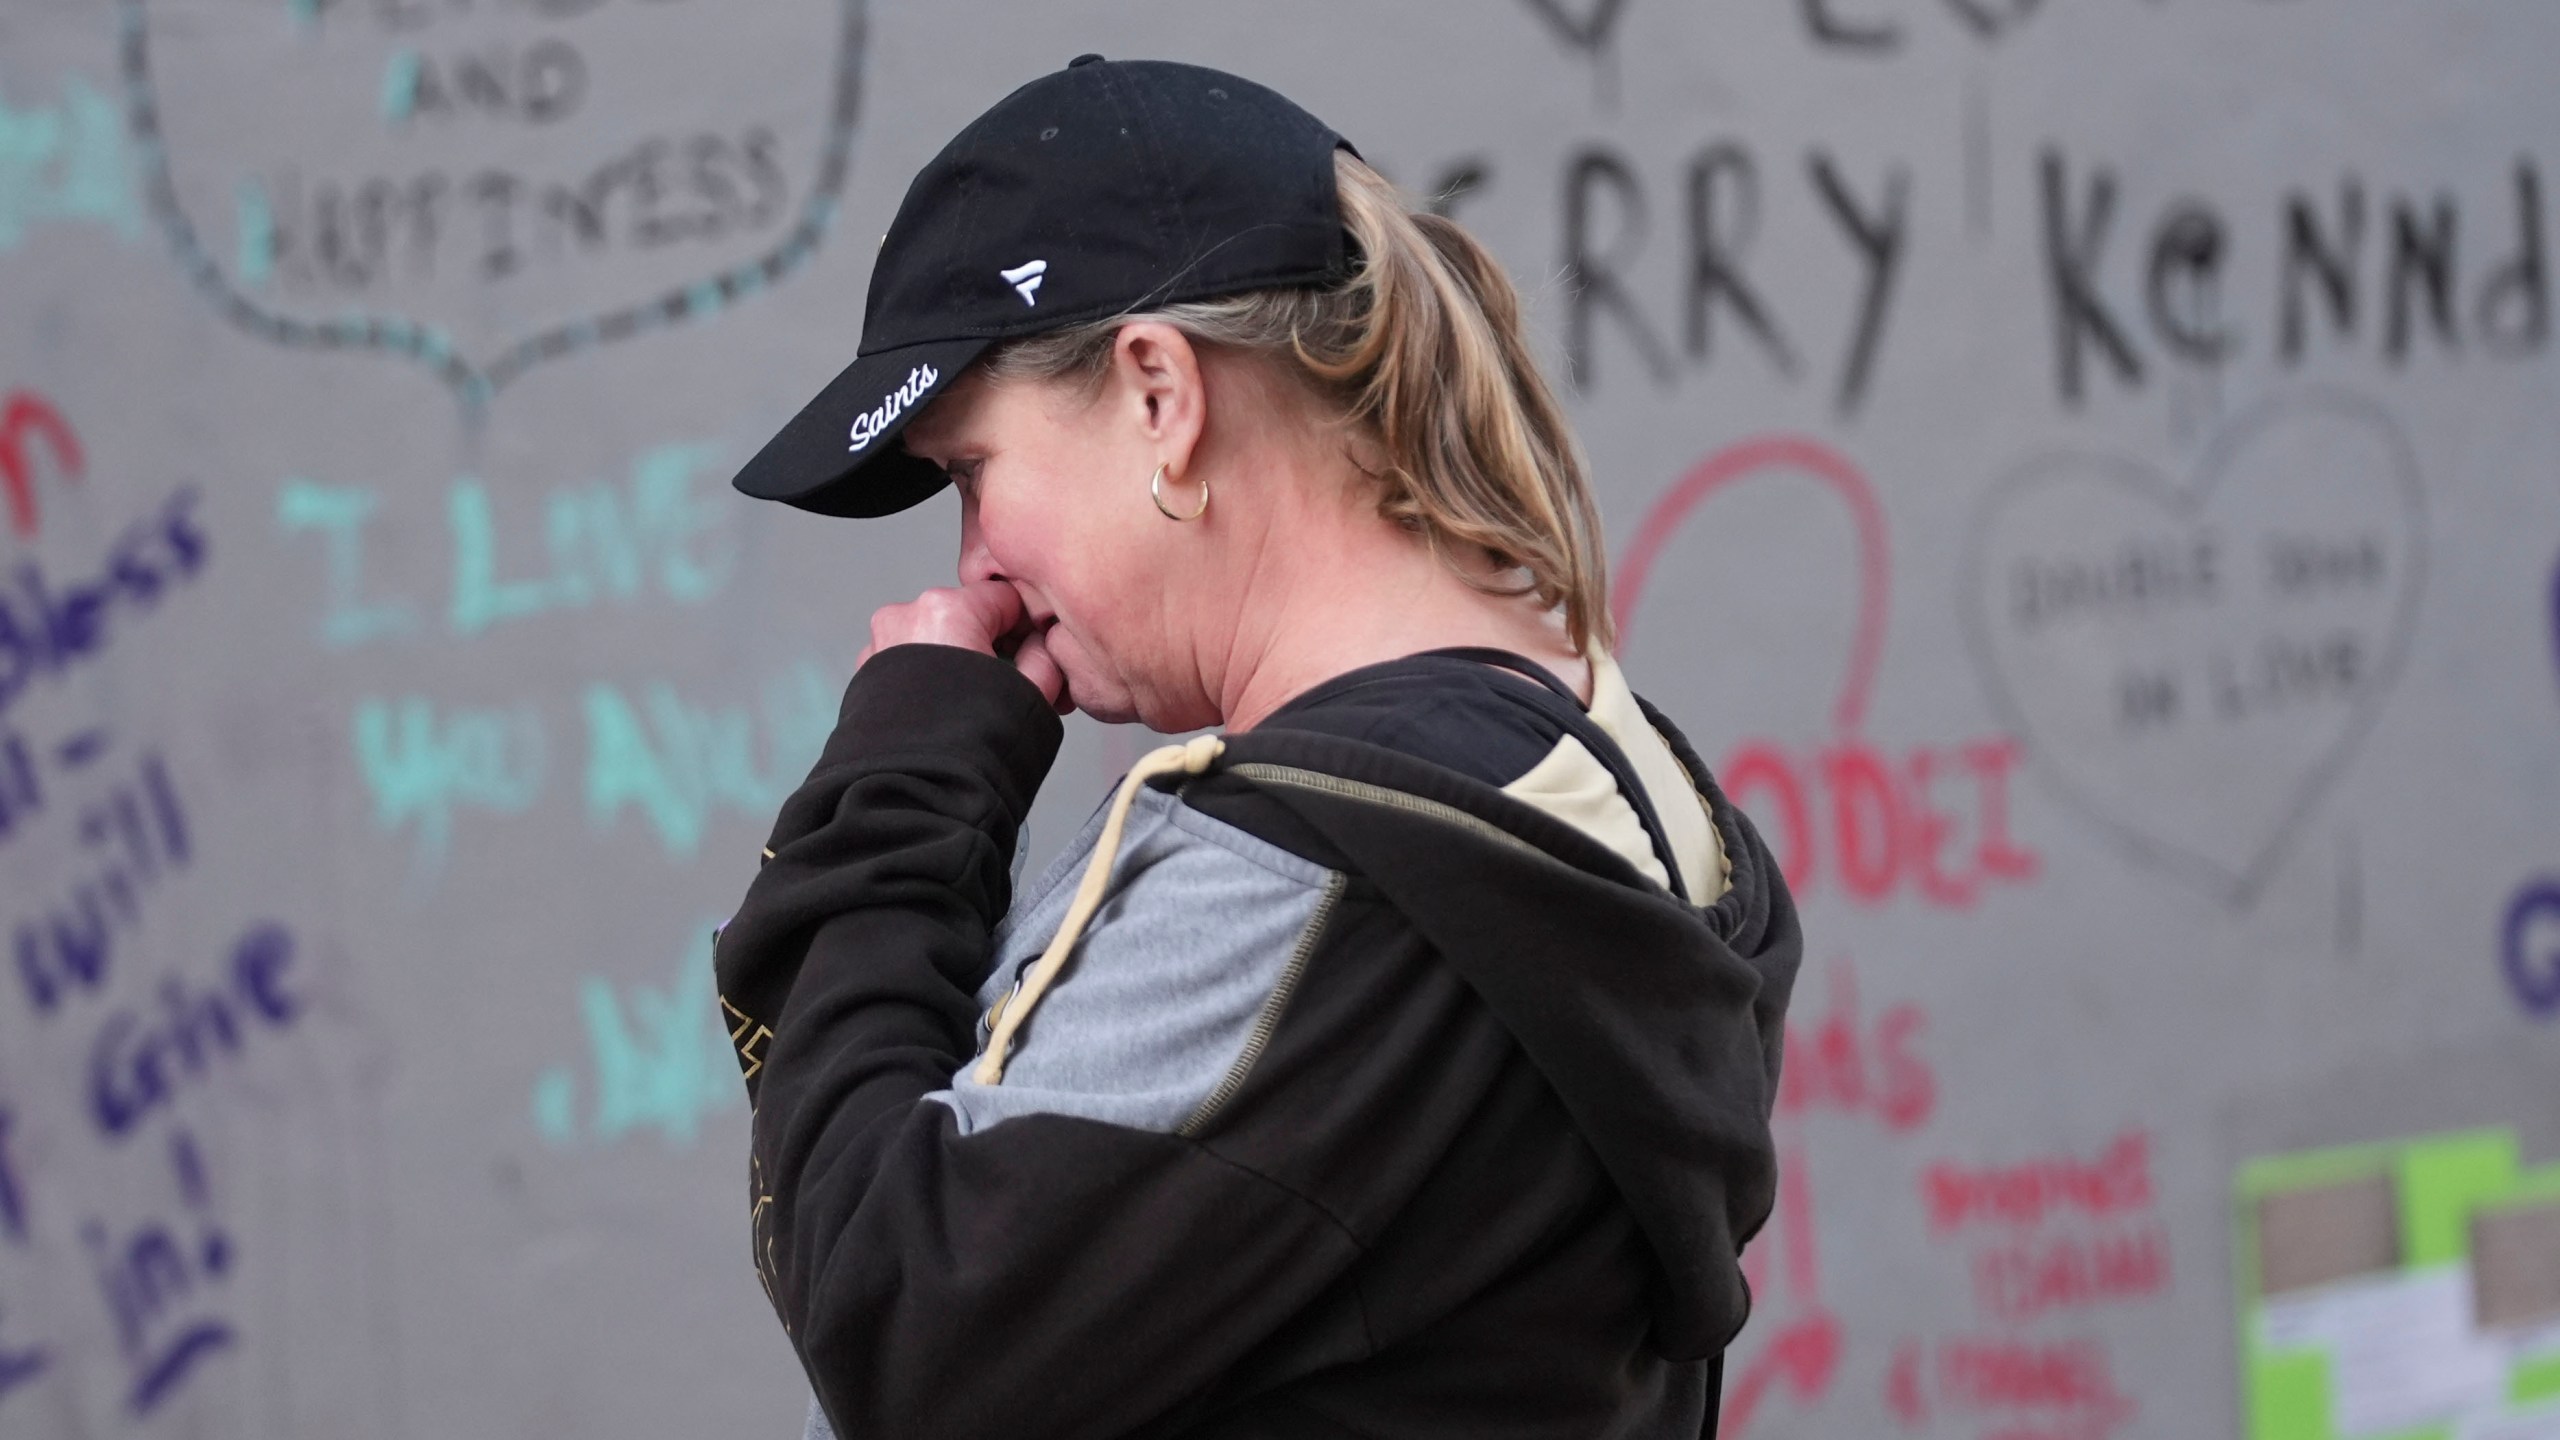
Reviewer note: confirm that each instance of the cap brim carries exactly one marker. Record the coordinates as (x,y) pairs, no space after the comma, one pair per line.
(840,455)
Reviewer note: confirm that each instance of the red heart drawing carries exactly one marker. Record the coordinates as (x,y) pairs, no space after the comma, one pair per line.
(2191,666)
(1793,454)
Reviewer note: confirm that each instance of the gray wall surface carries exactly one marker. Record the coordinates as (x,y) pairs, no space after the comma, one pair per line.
(2086,471)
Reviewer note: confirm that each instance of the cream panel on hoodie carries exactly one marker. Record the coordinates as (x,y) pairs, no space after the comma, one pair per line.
(1572,785)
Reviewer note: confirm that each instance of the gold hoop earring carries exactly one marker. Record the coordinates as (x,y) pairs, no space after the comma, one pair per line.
(1155,488)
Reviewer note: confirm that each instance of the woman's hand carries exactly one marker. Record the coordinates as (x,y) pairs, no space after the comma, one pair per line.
(983,615)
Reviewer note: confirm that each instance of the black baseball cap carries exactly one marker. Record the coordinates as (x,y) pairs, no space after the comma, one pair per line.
(1108,187)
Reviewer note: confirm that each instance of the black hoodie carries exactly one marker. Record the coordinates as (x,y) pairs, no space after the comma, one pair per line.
(1360,1099)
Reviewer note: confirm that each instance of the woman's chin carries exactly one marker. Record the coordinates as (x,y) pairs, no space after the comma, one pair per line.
(1110,711)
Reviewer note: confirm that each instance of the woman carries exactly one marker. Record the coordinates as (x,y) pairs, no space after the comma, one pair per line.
(1395,1061)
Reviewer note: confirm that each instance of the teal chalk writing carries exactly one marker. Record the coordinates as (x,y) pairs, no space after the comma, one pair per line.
(555,1105)
(601,543)
(68,162)
(400,86)
(421,765)
(257,234)
(657,534)
(672,764)
(657,1060)
(675,762)
(677,525)
(341,514)
(480,598)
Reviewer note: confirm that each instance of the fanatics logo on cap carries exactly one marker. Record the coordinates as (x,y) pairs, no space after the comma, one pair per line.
(868,425)
(1025,279)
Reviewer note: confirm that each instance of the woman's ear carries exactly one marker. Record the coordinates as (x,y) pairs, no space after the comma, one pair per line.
(1162,385)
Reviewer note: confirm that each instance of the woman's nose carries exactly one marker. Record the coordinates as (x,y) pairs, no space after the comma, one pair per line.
(977,562)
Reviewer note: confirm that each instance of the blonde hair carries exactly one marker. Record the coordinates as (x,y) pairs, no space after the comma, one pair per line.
(1421,350)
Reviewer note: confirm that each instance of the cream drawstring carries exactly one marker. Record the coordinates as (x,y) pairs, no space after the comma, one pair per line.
(1192,757)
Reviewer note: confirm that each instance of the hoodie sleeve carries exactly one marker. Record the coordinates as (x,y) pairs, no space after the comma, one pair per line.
(949,1261)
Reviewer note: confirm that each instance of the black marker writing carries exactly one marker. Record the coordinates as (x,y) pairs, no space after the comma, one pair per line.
(2341,257)
(1879,240)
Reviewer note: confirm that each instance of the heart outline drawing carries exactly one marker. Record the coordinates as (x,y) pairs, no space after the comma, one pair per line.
(1741,461)
(2235,885)
(475,382)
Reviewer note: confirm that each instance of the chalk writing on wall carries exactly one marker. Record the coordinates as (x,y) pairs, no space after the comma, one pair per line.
(2355,267)
(657,536)
(2224,642)
(2401,277)
(650,755)
(98,837)
(1720,304)
(1930,821)
(646,752)
(133,841)
(162,1283)
(52,625)
(21,1363)
(657,1059)
(1882,28)
(2045,1240)
(2529,937)
(2017,1388)
(2529,948)
(66,163)
(2049,1237)
(2069,1232)
(1838,1063)
(1586,27)
(34,440)
(502,157)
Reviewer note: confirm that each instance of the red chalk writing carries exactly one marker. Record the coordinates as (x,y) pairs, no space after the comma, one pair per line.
(2078,1231)
(26,418)
(2025,1279)
(1931,822)
(1843,1064)
(1718,472)
(2117,1182)
(1803,1358)
(2028,1389)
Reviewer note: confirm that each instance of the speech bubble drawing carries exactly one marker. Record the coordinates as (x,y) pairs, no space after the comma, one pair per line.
(2191,666)
(482,190)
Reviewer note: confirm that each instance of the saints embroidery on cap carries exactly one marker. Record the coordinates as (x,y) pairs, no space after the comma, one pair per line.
(868,425)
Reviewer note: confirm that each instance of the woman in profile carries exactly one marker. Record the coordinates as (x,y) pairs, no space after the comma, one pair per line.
(1394,1059)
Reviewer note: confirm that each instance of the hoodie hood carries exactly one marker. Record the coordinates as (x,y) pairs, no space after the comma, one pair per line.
(1657,1023)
